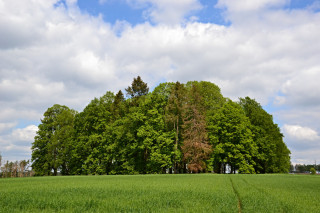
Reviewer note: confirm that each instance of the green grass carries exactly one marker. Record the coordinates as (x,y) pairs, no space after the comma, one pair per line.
(161,193)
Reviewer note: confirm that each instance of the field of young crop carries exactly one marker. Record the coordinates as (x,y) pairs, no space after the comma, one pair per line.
(162,193)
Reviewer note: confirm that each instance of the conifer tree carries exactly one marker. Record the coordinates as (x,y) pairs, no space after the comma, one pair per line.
(138,88)
(195,148)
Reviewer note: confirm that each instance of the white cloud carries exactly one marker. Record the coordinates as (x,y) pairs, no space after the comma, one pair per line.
(306,95)
(4,127)
(304,143)
(250,5)
(301,133)
(26,134)
(16,145)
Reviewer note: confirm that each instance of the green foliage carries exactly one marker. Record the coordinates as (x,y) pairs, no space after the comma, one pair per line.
(273,154)
(91,153)
(313,171)
(302,168)
(138,88)
(180,128)
(54,141)
(232,139)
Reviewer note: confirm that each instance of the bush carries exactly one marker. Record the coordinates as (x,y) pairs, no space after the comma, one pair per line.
(313,171)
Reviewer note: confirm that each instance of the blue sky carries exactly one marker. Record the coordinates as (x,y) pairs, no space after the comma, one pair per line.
(120,10)
(70,51)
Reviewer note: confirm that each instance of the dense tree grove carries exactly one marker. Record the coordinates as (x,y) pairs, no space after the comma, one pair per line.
(176,128)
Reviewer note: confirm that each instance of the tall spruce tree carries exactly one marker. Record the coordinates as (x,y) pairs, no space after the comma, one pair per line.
(138,88)
(196,148)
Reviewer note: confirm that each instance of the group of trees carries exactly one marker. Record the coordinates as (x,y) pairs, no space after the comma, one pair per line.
(303,168)
(176,128)
(14,169)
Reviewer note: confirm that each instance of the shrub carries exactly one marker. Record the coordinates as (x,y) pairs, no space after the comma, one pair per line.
(313,171)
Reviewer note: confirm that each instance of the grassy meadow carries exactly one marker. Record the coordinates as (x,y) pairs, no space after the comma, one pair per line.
(162,193)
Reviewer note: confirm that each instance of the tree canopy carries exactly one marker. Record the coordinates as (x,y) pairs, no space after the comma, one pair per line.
(176,128)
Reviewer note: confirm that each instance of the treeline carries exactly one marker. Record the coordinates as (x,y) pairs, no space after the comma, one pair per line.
(14,169)
(176,128)
(303,168)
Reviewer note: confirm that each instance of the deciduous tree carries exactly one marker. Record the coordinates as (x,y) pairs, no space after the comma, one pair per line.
(273,154)
(174,120)
(50,150)
(230,134)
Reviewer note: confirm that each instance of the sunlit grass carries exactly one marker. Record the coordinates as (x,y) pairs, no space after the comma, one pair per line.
(161,193)
(278,193)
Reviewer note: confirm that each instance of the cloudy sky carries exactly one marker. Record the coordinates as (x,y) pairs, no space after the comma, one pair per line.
(68,52)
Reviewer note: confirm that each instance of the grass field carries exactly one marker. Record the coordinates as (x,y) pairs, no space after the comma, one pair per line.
(162,193)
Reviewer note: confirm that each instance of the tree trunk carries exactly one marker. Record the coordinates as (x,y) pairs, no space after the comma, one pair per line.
(176,147)
(184,168)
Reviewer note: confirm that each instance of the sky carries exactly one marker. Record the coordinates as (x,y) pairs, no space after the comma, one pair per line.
(69,51)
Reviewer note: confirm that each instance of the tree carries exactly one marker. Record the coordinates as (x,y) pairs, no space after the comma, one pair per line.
(231,137)
(313,171)
(174,120)
(118,107)
(210,93)
(92,153)
(157,142)
(14,169)
(22,167)
(138,88)
(142,142)
(54,137)
(196,148)
(7,169)
(273,155)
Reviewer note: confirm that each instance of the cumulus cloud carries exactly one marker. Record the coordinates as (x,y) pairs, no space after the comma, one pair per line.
(16,145)
(304,143)
(249,5)
(26,134)
(301,133)
(306,95)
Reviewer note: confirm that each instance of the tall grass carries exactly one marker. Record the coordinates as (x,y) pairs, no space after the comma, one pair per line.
(278,193)
(140,193)
(161,193)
